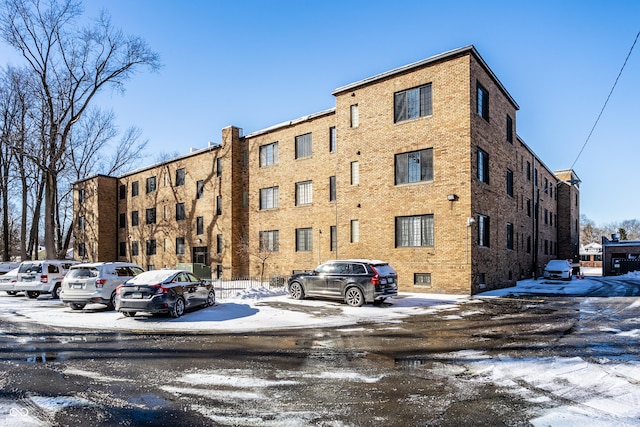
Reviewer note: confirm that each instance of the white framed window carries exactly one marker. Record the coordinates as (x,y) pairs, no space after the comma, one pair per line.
(412,103)
(303,146)
(355,116)
(269,198)
(355,231)
(355,173)
(414,166)
(414,231)
(270,241)
(304,193)
(269,154)
(304,239)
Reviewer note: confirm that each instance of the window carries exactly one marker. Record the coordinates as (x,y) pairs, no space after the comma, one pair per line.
(151,184)
(483,230)
(528,207)
(219,166)
(134,219)
(199,189)
(332,188)
(333,245)
(134,189)
(199,225)
(528,244)
(81,195)
(483,166)
(151,247)
(509,236)
(218,205)
(509,129)
(304,193)
(355,173)
(180,174)
(332,139)
(303,146)
(122,251)
(180,212)
(151,216)
(269,198)
(528,171)
(82,250)
(123,191)
(269,241)
(483,102)
(123,220)
(134,248)
(180,246)
(414,166)
(510,182)
(355,231)
(81,222)
(414,231)
(355,116)
(422,279)
(304,239)
(219,244)
(546,216)
(412,103)
(269,154)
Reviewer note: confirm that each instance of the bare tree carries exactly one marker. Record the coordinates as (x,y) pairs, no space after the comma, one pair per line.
(71,65)
(262,252)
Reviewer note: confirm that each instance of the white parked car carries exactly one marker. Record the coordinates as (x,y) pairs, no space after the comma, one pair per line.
(42,277)
(95,283)
(558,269)
(8,281)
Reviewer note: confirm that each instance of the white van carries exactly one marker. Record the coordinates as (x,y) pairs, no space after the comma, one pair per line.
(42,277)
(95,283)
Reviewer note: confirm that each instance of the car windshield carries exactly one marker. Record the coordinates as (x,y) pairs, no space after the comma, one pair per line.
(151,277)
(83,273)
(557,265)
(30,268)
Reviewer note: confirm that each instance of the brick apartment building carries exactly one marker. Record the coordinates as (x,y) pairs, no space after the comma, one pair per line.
(419,166)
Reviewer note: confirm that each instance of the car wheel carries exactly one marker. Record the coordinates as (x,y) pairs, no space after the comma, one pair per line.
(354,297)
(129,313)
(76,306)
(33,294)
(211,299)
(112,302)
(178,308)
(296,290)
(12,293)
(57,290)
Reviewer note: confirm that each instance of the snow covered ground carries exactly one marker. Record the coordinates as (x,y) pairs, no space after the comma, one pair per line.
(592,393)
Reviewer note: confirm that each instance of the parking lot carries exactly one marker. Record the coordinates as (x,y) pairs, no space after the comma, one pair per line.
(546,354)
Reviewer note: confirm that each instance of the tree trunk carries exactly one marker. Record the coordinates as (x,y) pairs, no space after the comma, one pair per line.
(50,200)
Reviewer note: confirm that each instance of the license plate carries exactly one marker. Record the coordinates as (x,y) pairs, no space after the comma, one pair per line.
(28,279)
(77,286)
(136,295)
(383,281)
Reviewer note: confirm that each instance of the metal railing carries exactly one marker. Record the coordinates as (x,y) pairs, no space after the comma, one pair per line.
(226,289)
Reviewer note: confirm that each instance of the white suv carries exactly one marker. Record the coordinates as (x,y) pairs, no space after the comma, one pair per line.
(42,277)
(96,283)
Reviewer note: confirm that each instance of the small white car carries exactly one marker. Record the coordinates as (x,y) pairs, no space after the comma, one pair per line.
(8,280)
(558,269)
(42,277)
(96,283)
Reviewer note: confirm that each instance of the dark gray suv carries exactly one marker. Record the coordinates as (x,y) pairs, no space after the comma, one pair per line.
(355,281)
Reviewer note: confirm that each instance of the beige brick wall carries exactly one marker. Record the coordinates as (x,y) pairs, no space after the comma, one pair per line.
(454,132)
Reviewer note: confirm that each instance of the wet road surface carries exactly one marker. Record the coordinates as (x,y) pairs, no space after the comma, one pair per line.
(412,372)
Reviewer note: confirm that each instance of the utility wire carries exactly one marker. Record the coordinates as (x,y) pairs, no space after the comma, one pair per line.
(605,102)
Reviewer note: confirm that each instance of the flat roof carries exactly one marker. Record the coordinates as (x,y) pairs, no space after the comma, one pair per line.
(428,61)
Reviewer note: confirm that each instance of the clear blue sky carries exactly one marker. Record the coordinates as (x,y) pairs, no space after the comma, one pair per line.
(253,64)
